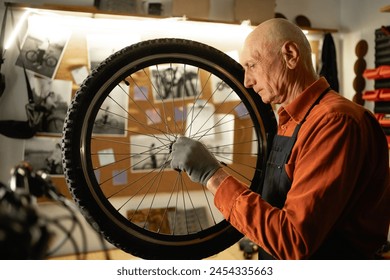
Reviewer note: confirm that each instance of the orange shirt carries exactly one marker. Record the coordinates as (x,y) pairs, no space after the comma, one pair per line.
(339,168)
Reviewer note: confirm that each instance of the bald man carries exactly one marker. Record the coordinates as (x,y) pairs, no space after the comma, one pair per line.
(326,191)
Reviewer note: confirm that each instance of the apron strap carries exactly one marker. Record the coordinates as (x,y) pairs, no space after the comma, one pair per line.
(308,112)
(314,104)
(298,127)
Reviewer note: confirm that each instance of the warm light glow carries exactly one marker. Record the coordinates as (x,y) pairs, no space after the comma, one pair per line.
(223,36)
(16,30)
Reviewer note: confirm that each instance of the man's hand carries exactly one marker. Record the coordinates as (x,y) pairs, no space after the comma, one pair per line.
(194,158)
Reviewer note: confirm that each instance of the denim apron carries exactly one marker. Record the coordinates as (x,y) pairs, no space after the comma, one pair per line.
(276,182)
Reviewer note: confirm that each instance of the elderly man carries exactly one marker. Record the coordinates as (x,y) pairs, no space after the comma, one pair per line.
(326,191)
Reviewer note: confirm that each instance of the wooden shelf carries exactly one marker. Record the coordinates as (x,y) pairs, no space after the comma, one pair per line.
(385,9)
(319,30)
(93,11)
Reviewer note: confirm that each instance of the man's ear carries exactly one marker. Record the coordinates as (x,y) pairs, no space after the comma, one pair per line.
(290,52)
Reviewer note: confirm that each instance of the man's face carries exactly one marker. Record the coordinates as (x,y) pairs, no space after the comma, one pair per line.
(265,72)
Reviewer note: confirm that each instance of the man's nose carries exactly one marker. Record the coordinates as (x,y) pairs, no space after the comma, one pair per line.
(248,81)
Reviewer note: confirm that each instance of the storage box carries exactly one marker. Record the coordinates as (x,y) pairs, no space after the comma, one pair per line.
(256,11)
(198,9)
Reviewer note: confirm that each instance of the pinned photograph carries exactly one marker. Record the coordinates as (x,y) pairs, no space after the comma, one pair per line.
(106,157)
(43,46)
(79,74)
(222,92)
(44,153)
(216,131)
(223,143)
(149,153)
(204,126)
(141,93)
(101,46)
(171,81)
(153,116)
(112,117)
(51,101)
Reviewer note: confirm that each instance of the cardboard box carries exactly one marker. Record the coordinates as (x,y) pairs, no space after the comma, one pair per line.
(256,11)
(198,9)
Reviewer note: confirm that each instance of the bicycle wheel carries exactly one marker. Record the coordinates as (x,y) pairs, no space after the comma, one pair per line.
(54,124)
(120,175)
(32,55)
(50,61)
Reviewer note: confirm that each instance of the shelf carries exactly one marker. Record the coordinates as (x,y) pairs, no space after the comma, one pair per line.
(95,12)
(377,95)
(381,72)
(385,9)
(312,30)
(384,120)
(371,95)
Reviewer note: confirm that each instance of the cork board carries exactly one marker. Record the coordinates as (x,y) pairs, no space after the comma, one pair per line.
(76,56)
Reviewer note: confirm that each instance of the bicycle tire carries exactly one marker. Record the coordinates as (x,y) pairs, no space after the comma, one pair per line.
(97,196)
(54,124)
(50,61)
(32,55)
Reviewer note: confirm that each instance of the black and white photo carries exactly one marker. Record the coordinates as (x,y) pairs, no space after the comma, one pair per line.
(171,81)
(44,153)
(113,114)
(51,98)
(43,46)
